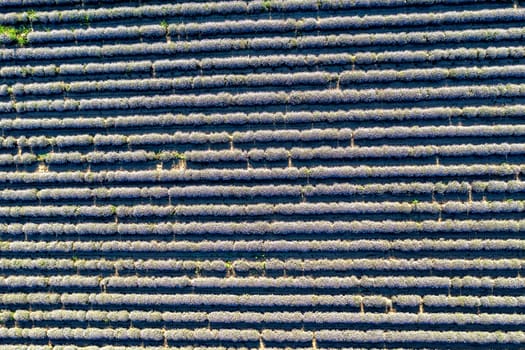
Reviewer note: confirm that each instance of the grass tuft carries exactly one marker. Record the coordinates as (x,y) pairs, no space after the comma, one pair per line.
(16,35)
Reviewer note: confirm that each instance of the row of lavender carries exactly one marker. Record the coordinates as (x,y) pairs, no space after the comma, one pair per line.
(499,285)
(332,97)
(262,247)
(480,115)
(304,25)
(492,304)
(263,209)
(403,153)
(219,317)
(344,78)
(341,61)
(267,191)
(261,228)
(317,173)
(283,135)
(263,44)
(207,336)
(269,265)
(197,9)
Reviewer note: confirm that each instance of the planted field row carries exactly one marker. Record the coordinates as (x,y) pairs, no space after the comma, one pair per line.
(145,334)
(259,228)
(263,300)
(330,153)
(92,157)
(260,174)
(295,61)
(128,347)
(264,209)
(269,318)
(290,135)
(265,26)
(166,66)
(310,97)
(197,137)
(478,114)
(22,3)
(265,191)
(196,9)
(205,335)
(283,283)
(493,35)
(202,299)
(256,155)
(429,74)
(152,347)
(187,9)
(182,83)
(170,84)
(266,265)
(320,78)
(75,4)
(224,246)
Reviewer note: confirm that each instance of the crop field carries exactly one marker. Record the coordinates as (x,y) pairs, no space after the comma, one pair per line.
(262,175)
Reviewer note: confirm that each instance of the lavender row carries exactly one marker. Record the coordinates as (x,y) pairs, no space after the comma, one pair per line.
(91,157)
(263,300)
(189,9)
(369,318)
(266,191)
(275,26)
(290,135)
(431,74)
(392,264)
(269,154)
(128,347)
(227,210)
(275,61)
(252,335)
(289,173)
(253,99)
(100,316)
(120,334)
(266,317)
(271,264)
(121,13)
(265,209)
(22,3)
(471,301)
(163,84)
(119,32)
(398,282)
(196,119)
(197,137)
(188,347)
(110,347)
(443,337)
(261,227)
(327,152)
(116,265)
(376,245)
(129,299)
(258,80)
(266,43)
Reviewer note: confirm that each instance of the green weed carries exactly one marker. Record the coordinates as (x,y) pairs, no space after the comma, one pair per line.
(16,35)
